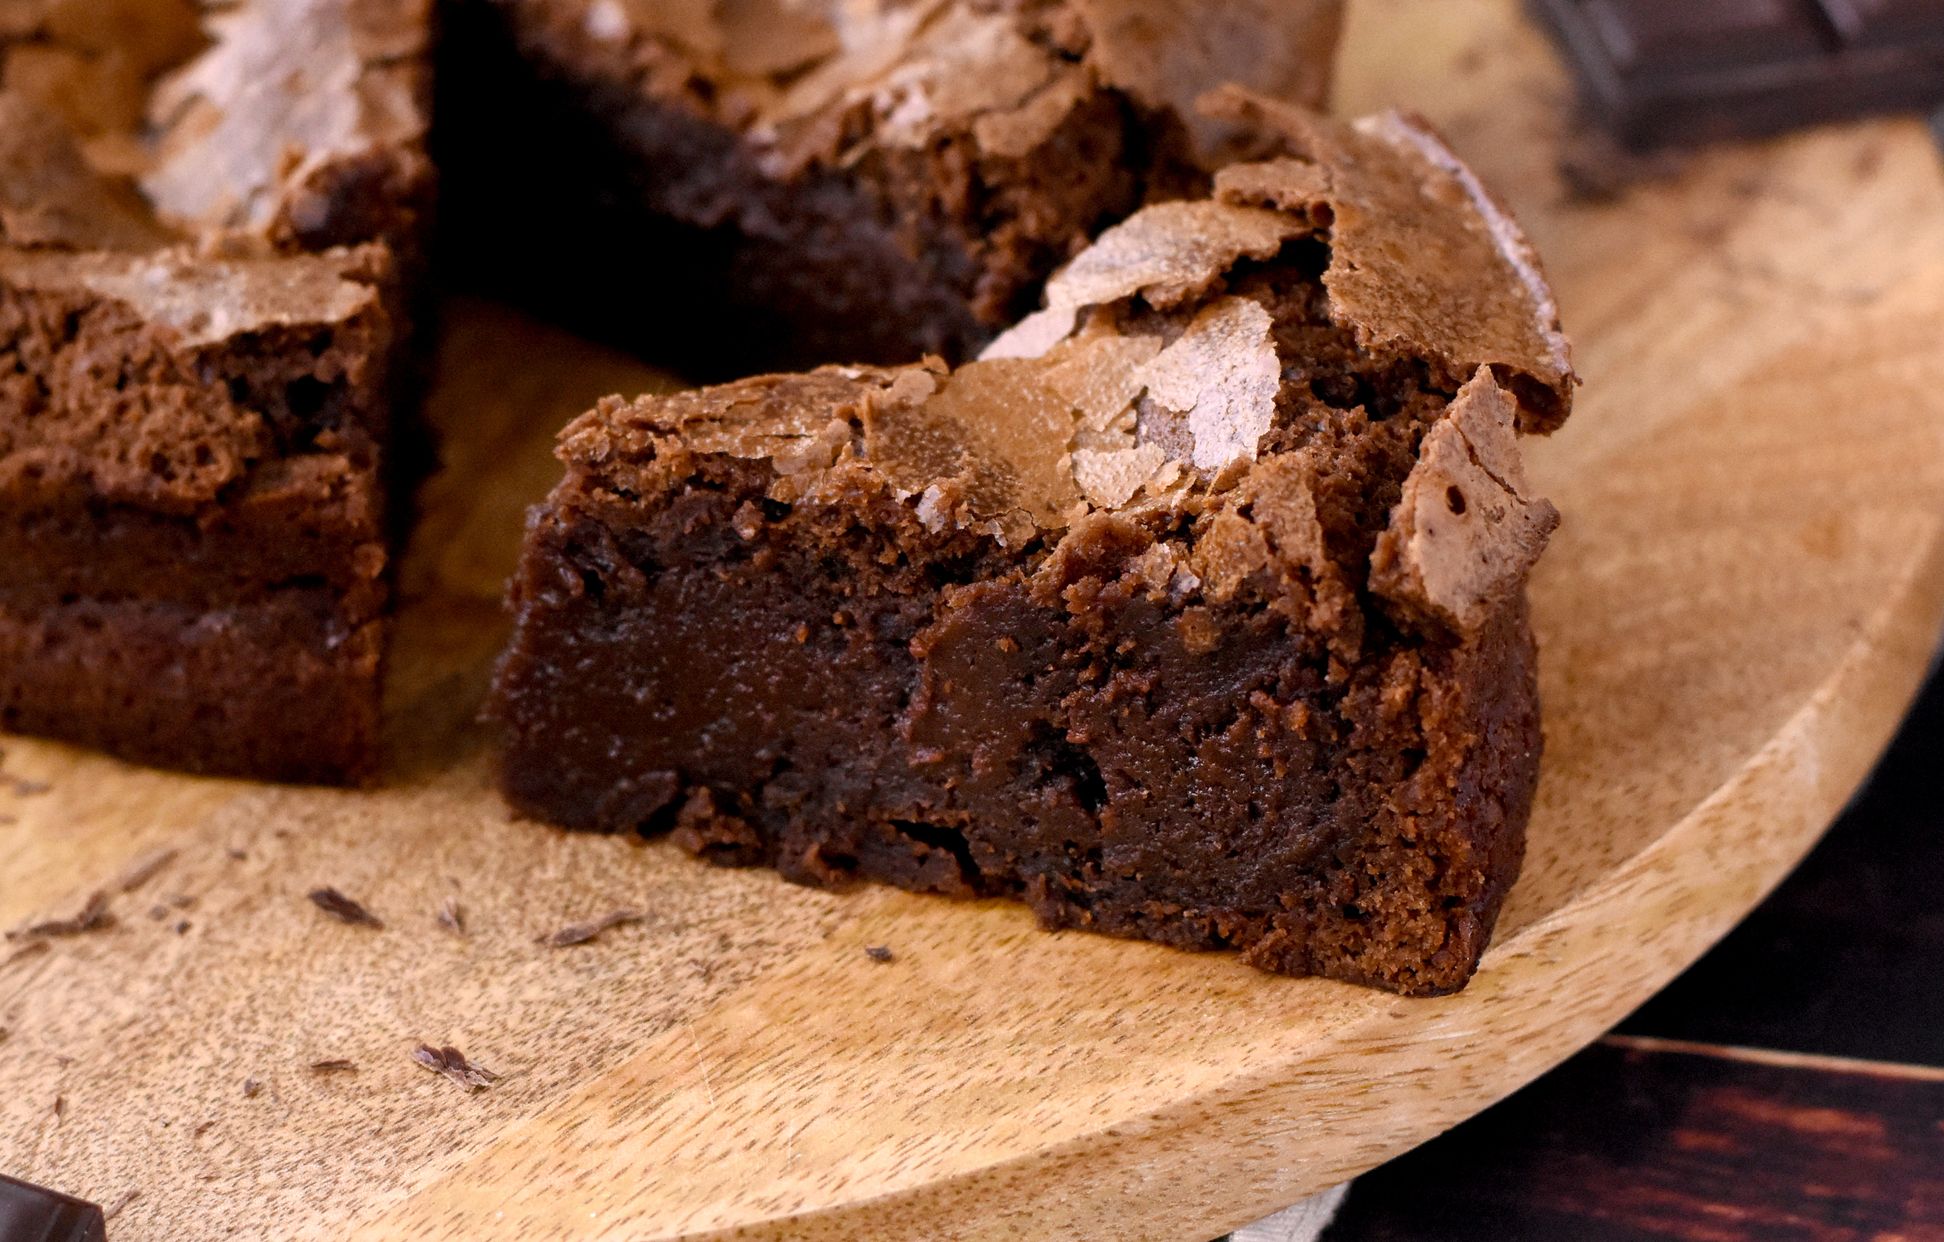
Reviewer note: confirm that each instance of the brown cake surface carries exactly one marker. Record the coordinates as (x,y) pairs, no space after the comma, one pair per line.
(1193,611)
(209,219)
(864,181)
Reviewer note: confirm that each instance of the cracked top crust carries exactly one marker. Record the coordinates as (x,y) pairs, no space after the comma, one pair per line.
(1167,380)
(211,143)
(1424,262)
(813,78)
(291,99)
(203,299)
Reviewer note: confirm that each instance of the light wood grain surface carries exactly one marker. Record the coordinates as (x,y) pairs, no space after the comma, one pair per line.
(1743,596)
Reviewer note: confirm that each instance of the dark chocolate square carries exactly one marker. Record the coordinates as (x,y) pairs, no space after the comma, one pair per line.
(30,1213)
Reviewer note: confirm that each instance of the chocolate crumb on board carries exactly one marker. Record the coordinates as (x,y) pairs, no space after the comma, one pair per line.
(337,1065)
(6,820)
(343,909)
(452,916)
(60,1107)
(880,953)
(581,933)
(144,869)
(452,1063)
(93,915)
(1594,169)
(116,1208)
(25,951)
(24,788)
(251,1087)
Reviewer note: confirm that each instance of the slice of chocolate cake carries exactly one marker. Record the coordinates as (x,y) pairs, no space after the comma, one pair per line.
(837,180)
(1194,611)
(209,221)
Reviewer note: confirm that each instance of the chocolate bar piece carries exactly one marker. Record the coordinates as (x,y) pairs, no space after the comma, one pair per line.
(1666,71)
(30,1213)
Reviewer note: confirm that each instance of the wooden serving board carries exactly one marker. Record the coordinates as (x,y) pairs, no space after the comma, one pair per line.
(1743,597)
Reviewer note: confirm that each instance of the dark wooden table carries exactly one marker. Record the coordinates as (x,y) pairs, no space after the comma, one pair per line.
(1789,1086)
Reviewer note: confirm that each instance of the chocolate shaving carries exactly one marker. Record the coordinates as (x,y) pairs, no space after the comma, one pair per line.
(26,951)
(250,1088)
(879,953)
(93,915)
(581,933)
(451,916)
(453,1064)
(335,1066)
(60,1107)
(144,869)
(343,909)
(115,1209)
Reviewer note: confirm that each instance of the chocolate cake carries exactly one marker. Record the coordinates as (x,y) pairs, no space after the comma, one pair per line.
(1194,610)
(210,219)
(835,180)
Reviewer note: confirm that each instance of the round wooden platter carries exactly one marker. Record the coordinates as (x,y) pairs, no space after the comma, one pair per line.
(1740,603)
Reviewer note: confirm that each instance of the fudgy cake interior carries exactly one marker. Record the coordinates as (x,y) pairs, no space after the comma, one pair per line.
(834,181)
(1194,611)
(209,221)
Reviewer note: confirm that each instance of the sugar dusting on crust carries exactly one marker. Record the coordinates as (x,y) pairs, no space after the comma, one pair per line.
(1424,262)
(801,72)
(1510,239)
(975,65)
(287,90)
(1109,478)
(1147,385)
(1168,254)
(206,300)
(1099,374)
(1223,373)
